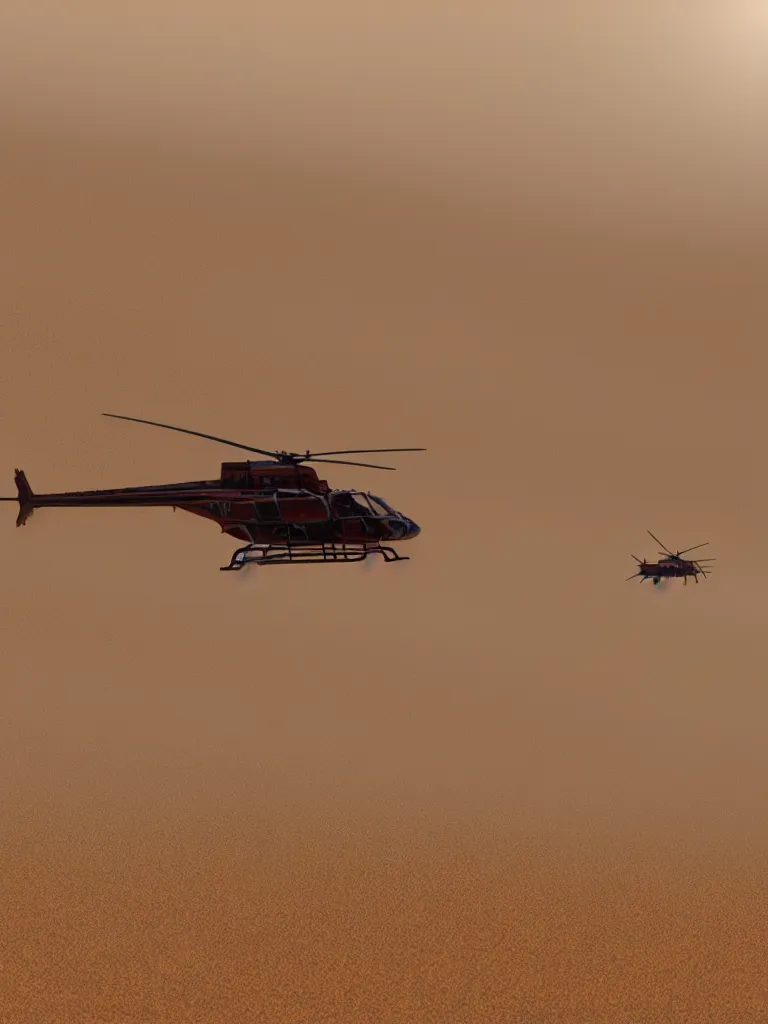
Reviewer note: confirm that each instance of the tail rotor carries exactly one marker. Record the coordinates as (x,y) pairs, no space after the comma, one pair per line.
(640,569)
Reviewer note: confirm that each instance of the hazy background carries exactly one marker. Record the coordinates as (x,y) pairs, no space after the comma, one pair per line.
(494,783)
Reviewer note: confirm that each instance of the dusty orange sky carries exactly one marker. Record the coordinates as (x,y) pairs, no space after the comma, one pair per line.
(494,783)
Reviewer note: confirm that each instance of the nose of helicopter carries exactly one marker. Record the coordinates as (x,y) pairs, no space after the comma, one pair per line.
(412,529)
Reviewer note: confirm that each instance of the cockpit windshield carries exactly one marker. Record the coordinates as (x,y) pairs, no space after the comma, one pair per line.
(380,507)
(349,504)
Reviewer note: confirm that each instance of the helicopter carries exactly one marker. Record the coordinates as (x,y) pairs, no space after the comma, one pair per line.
(672,565)
(279,507)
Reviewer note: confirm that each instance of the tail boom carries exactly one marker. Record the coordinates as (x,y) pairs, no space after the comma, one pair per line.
(188,495)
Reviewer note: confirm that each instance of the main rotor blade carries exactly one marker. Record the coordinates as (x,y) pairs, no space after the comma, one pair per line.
(196,433)
(660,544)
(341,462)
(694,548)
(367,451)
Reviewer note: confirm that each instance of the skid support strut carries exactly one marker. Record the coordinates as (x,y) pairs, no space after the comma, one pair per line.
(308,554)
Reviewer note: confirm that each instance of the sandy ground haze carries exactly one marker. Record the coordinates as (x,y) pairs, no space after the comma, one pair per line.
(492,784)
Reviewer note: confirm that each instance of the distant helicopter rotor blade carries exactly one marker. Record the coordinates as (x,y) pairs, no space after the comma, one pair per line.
(632,576)
(366,451)
(195,433)
(694,548)
(666,549)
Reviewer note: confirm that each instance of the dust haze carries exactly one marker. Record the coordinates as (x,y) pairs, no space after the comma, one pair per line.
(495,782)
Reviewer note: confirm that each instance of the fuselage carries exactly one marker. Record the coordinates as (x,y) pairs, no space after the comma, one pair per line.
(668,568)
(259,503)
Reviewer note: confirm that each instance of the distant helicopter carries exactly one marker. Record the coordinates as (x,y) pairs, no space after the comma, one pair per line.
(280,508)
(672,565)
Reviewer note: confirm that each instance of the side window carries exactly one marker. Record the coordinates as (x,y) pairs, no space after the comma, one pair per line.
(350,506)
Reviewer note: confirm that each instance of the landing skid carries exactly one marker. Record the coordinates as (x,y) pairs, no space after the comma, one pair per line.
(311,554)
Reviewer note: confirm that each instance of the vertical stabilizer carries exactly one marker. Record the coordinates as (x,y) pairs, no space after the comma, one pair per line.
(26,498)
